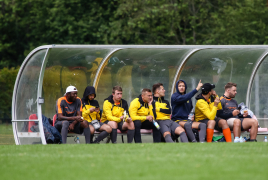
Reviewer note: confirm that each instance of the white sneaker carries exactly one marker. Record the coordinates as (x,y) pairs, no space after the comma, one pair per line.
(236,140)
(242,139)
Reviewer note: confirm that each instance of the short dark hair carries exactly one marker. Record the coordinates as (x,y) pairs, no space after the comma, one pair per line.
(229,85)
(118,88)
(145,90)
(181,82)
(156,86)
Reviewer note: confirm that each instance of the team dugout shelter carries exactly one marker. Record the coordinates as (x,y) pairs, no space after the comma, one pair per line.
(48,70)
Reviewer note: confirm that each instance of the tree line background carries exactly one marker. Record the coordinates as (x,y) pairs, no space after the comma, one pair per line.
(26,24)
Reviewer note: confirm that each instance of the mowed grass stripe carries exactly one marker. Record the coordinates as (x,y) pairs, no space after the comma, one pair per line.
(135,161)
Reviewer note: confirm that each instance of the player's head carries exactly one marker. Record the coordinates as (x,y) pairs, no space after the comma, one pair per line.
(159,90)
(71,93)
(207,89)
(146,95)
(230,89)
(117,93)
(181,87)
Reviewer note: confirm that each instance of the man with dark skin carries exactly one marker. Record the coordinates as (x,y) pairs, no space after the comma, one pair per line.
(69,115)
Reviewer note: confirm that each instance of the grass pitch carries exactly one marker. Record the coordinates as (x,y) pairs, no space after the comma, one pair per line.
(135,161)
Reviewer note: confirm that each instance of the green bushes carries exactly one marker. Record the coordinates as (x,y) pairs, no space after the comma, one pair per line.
(7,81)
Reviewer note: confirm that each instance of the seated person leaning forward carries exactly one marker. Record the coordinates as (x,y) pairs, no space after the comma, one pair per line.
(161,112)
(69,115)
(91,113)
(235,120)
(181,107)
(113,115)
(139,111)
(206,110)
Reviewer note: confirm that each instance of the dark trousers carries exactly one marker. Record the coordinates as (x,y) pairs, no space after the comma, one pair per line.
(146,125)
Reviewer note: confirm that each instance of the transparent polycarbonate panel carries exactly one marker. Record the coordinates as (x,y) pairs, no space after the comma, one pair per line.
(69,66)
(220,66)
(32,140)
(259,94)
(135,69)
(26,97)
(27,126)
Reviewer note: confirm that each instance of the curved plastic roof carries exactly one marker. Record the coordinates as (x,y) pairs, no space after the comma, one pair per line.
(48,70)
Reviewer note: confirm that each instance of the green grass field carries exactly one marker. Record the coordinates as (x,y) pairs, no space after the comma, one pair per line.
(6,134)
(135,161)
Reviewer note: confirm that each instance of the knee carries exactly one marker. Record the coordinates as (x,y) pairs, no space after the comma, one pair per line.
(202,126)
(166,133)
(187,126)
(237,122)
(113,124)
(179,130)
(211,123)
(84,124)
(255,123)
(65,124)
(108,129)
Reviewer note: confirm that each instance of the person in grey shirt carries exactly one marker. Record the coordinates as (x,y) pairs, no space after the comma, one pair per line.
(237,122)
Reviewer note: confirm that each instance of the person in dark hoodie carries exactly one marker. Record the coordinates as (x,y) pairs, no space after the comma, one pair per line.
(91,113)
(181,107)
(115,114)
(140,111)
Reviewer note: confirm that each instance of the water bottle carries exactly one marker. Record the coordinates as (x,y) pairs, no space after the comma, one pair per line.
(191,115)
(77,140)
(265,139)
(156,125)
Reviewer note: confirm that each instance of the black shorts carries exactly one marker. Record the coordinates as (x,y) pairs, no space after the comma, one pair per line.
(119,125)
(98,130)
(167,125)
(205,121)
(77,128)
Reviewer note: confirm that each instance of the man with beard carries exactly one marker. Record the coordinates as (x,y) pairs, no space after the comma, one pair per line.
(69,115)
(235,120)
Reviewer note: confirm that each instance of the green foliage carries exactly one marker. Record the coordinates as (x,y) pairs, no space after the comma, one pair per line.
(7,81)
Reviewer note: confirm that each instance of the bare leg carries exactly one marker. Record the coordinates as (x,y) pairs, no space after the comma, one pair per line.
(251,124)
(237,128)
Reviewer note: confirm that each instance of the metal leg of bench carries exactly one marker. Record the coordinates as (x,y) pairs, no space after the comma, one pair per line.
(122,138)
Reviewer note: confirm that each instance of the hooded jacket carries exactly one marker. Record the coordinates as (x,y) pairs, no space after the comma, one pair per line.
(205,109)
(87,104)
(113,112)
(139,110)
(161,108)
(181,103)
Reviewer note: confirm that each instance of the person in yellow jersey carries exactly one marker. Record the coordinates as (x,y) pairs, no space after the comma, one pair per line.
(139,111)
(207,106)
(115,114)
(161,111)
(91,113)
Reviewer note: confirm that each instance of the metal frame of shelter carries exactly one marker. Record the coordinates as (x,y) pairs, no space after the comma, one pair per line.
(115,48)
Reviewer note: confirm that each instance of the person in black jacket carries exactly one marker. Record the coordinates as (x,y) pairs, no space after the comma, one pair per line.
(91,113)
